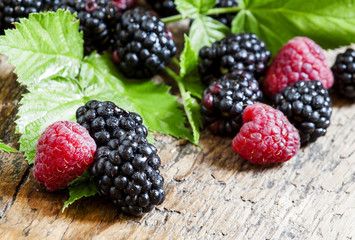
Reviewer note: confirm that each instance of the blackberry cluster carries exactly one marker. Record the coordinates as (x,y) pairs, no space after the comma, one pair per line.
(143,46)
(12,10)
(308,106)
(225,100)
(236,52)
(163,7)
(227,18)
(126,166)
(97,19)
(344,73)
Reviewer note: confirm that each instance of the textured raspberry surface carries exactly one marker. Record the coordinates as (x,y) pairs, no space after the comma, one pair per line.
(266,136)
(300,59)
(64,151)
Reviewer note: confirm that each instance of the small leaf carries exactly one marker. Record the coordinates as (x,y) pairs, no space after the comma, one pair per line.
(83,186)
(188,58)
(191,8)
(5,148)
(193,84)
(204,31)
(276,22)
(44,45)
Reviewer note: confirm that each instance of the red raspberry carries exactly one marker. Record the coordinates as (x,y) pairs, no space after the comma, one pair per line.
(64,151)
(300,59)
(266,136)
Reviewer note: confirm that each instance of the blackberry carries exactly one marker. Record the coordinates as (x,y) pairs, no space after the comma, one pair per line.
(344,73)
(308,106)
(106,121)
(225,100)
(163,7)
(235,52)
(12,10)
(227,18)
(143,46)
(126,172)
(97,18)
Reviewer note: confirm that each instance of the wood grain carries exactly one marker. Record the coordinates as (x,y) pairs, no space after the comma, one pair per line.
(211,192)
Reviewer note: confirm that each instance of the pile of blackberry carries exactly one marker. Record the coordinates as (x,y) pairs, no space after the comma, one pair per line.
(97,19)
(143,46)
(308,106)
(227,18)
(237,52)
(163,7)
(126,166)
(344,73)
(225,100)
(12,10)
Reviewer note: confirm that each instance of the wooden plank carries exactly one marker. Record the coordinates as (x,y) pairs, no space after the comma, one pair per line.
(211,192)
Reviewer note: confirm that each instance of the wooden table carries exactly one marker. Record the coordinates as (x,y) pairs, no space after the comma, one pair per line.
(211,192)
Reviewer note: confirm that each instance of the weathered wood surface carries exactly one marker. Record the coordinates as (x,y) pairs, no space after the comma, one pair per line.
(211,192)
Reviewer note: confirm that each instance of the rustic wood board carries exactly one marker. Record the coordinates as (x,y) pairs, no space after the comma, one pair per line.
(211,192)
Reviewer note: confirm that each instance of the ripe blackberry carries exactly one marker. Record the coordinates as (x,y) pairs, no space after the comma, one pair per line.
(12,10)
(97,18)
(308,106)
(106,121)
(163,7)
(236,52)
(344,73)
(126,172)
(143,46)
(224,101)
(227,18)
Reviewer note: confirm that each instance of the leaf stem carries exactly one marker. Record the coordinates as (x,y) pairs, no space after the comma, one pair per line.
(212,11)
(175,61)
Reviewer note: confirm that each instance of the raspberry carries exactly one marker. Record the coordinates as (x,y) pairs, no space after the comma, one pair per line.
(266,136)
(300,59)
(308,106)
(344,73)
(97,19)
(224,101)
(227,18)
(64,151)
(143,46)
(106,121)
(126,172)
(236,52)
(163,7)
(12,10)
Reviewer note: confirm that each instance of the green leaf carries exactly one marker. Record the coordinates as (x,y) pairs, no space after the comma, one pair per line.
(188,58)
(204,31)
(5,148)
(329,23)
(83,186)
(191,8)
(193,84)
(44,45)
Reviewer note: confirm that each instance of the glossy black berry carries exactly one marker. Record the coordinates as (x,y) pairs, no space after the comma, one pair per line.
(237,52)
(226,18)
(308,106)
(131,180)
(12,10)
(106,122)
(163,7)
(97,19)
(344,74)
(143,46)
(224,101)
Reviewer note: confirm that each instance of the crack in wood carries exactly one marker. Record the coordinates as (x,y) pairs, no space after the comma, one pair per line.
(66,229)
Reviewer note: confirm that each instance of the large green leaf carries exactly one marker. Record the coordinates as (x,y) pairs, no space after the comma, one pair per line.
(191,8)
(329,23)
(44,45)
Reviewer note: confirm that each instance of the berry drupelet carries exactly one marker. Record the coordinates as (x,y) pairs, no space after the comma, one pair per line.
(227,18)
(308,106)
(163,7)
(224,101)
(97,19)
(236,52)
(12,10)
(344,73)
(143,45)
